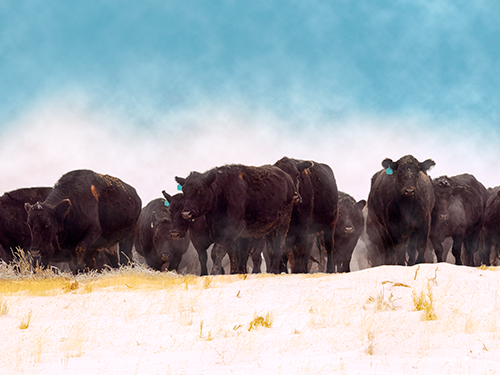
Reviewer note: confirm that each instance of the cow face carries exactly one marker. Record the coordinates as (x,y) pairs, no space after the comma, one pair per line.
(444,191)
(45,221)
(350,218)
(176,205)
(406,172)
(161,225)
(198,193)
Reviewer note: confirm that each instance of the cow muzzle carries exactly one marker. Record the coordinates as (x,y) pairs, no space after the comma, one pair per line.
(443,217)
(409,191)
(175,234)
(349,230)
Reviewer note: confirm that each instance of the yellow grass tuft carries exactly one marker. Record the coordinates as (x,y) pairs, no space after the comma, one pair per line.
(207,280)
(4,308)
(424,301)
(25,321)
(370,349)
(262,321)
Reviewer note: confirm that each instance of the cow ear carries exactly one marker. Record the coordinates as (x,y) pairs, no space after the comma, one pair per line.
(304,165)
(427,165)
(167,196)
(212,175)
(181,181)
(62,208)
(360,205)
(389,166)
(27,207)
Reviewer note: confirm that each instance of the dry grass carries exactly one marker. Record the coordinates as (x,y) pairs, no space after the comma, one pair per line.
(262,321)
(424,301)
(25,321)
(4,308)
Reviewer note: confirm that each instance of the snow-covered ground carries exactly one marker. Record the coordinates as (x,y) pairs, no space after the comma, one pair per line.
(140,322)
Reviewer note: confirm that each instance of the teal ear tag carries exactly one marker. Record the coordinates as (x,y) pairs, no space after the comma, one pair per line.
(179,187)
(166,203)
(388,171)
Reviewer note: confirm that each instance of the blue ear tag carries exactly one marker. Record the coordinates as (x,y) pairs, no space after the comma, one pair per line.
(166,203)
(179,187)
(388,171)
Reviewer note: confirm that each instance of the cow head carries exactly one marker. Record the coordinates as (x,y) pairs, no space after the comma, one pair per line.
(161,225)
(293,167)
(350,218)
(197,189)
(45,222)
(176,205)
(444,191)
(406,172)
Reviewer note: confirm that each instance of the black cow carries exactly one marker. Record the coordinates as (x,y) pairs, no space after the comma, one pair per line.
(491,228)
(349,227)
(298,242)
(153,240)
(200,237)
(242,201)
(325,209)
(86,212)
(399,210)
(196,229)
(14,231)
(458,213)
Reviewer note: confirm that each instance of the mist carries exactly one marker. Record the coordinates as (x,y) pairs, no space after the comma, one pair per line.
(59,135)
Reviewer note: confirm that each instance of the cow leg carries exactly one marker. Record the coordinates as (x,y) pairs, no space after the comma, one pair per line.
(276,252)
(484,250)
(456,250)
(201,244)
(438,249)
(400,255)
(242,249)
(301,253)
(471,246)
(328,241)
(125,247)
(257,259)
(218,253)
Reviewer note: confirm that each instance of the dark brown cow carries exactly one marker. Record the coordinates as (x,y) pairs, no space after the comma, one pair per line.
(195,229)
(242,201)
(349,227)
(399,210)
(298,241)
(458,213)
(325,210)
(86,212)
(153,240)
(491,228)
(14,232)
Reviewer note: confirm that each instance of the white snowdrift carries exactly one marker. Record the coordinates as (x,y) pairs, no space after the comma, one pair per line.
(361,322)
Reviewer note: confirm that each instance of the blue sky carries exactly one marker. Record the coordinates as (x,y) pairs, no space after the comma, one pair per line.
(150,90)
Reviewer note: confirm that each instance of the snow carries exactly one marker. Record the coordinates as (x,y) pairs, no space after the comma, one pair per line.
(359,322)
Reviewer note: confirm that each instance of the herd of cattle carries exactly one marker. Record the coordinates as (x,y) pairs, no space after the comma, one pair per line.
(279,212)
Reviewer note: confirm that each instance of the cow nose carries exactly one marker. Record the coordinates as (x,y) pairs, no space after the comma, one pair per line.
(175,235)
(409,192)
(349,230)
(187,215)
(443,217)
